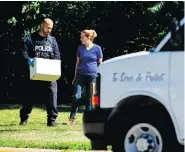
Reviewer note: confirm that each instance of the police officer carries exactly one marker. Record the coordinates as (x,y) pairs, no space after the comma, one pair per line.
(40,44)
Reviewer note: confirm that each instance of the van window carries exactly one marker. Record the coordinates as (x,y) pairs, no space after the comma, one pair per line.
(175,44)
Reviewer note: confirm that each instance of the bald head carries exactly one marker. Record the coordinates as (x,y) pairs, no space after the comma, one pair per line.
(46,27)
(47,21)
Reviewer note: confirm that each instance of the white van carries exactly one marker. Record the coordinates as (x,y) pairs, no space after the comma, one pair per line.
(139,100)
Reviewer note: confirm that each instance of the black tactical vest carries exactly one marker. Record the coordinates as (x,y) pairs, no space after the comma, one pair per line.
(41,48)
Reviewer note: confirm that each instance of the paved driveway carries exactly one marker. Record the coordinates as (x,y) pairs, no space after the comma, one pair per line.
(7,149)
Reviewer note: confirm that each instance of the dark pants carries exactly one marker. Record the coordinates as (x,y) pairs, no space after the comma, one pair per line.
(80,82)
(40,92)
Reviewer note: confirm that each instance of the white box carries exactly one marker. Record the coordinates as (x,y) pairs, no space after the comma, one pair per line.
(45,70)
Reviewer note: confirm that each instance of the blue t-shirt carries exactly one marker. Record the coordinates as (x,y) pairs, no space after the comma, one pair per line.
(88,59)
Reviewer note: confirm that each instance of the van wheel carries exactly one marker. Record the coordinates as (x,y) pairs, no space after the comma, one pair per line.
(98,145)
(147,133)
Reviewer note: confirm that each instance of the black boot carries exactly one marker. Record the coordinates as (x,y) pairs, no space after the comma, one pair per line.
(51,124)
(23,123)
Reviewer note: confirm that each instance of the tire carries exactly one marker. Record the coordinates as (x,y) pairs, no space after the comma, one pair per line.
(146,130)
(98,145)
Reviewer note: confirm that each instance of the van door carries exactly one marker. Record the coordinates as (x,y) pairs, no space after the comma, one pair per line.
(176,88)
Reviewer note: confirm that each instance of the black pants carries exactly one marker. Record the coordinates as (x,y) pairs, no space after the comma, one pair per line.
(40,92)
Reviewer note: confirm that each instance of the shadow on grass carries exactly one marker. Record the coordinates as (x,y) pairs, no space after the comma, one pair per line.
(6,125)
(9,106)
(61,108)
(44,124)
(67,108)
(13,130)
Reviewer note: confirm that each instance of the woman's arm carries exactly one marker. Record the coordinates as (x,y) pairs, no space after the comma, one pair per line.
(76,67)
(100,60)
(100,56)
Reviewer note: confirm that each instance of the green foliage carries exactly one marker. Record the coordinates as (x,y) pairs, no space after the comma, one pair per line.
(12,21)
(70,17)
(30,11)
(32,7)
(161,34)
(156,8)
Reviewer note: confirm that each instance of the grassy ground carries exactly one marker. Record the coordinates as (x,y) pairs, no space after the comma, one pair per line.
(36,134)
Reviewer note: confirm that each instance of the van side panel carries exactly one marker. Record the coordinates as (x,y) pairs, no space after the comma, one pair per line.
(138,76)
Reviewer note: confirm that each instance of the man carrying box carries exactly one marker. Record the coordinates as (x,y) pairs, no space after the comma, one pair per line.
(41,44)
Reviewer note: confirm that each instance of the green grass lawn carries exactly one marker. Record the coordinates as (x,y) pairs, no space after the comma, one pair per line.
(36,134)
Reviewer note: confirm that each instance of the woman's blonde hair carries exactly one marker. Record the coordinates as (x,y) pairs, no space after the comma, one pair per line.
(90,33)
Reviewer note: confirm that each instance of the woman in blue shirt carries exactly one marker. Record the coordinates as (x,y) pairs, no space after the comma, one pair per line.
(89,55)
